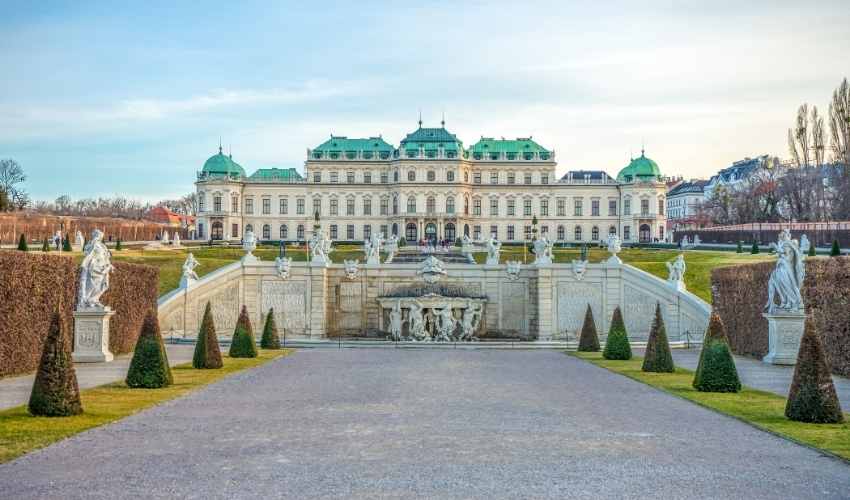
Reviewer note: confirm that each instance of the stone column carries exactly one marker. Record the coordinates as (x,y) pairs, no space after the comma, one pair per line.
(91,335)
(545,326)
(318,300)
(784,331)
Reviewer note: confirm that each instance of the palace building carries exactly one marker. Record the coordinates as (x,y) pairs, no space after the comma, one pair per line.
(430,186)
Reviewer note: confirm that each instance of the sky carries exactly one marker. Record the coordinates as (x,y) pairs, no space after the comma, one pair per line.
(130,98)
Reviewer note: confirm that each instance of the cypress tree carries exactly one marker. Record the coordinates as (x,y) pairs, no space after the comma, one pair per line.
(45,246)
(66,244)
(755,248)
(118,246)
(589,339)
(716,370)
(812,250)
(740,248)
(270,338)
(22,244)
(617,345)
(812,397)
(242,345)
(149,368)
(55,392)
(835,252)
(658,357)
(207,354)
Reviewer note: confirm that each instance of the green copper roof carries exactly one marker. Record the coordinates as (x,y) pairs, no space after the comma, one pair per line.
(221,165)
(342,143)
(276,175)
(431,138)
(519,145)
(640,169)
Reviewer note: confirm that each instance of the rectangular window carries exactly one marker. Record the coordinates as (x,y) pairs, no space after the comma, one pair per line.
(234,231)
(299,206)
(334,206)
(476,206)
(334,232)
(544,178)
(627,233)
(476,178)
(577,208)
(367,232)
(527,232)
(217,203)
(594,208)
(450,176)
(249,206)
(367,177)
(317,177)
(644,208)
(234,204)
(562,207)
(267,206)
(494,177)
(317,206)
(494,231)
(334,177)
(527,179)
(367,206)
(544,230)
(511,178)
(526,207)
(511,208)
(510,233)
(384,230)
(201,205)
(612,207)
(200,230)
(544,207)
(660,207)
(627,207)
(385,206)
(384,178)
(349,232)
(349,206)
(476,232)
(284,206)
(494,206)
(349,177)
(300,232)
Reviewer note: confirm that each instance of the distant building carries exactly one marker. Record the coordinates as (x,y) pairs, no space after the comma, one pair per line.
(163,215)
(683,204)
(735,176)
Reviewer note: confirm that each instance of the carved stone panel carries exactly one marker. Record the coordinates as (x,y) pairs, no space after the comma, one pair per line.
(289,300)
(349,296)
(638,312)
(225,308)
(514,298)
(573,298)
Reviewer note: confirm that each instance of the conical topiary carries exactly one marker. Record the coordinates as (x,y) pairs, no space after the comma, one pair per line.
(55,392)
(22,244)
(589,339)
(716,370)
(207,353)
(118,246)
(755,248)
(812,397)
(45,246)
(270,338)
(149,368)
(812,250)
(242,345)
(66,244)
(740,248)
(658,357)
(617,345)
(835,252)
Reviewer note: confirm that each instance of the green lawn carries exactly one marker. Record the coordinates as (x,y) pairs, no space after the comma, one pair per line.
(21,433)
(764,410)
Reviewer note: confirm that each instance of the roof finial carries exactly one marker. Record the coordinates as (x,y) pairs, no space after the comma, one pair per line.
(443,121)
(642,146)
(420,118)
(230,150)
(219,144)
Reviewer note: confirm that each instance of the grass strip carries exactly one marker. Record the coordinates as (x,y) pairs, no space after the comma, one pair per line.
(22,433)
(761,409)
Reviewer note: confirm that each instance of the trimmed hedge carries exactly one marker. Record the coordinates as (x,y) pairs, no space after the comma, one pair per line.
(207,353)
(270,338)
(716,370)
(33,285)
(589,340)
(55,392)
(740,293)
(812,397)
(617,344)
(149,368)
(658,357)
(242,344)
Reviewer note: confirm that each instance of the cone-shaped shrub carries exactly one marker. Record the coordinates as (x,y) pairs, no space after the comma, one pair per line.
(658,357)
(716,370)
(66,244)
(22,244)
(55,392)
(812,397)
(589,339)
(812,250)
(617,345)
(149,368)
(270,339)
(118,246)
(207,353)
(242,345)
(45,246)
(835,252)
(755,248)
(740,248)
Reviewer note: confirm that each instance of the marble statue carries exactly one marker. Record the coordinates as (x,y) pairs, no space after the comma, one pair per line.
(513,267)
(249,244)
(614,247)
(396,322)
(79,241)
(494,247)
(351,268)
(446,324)
(542,251)
(805,245)
(431,270)
(283,266)
(372,248)
(470,321)
(466,244)
(676,270)
(189,274)
(176,240)
(696,240)
(94,275)
(786,280)
(320,248)
(164,237)
(416,323)
(391,247)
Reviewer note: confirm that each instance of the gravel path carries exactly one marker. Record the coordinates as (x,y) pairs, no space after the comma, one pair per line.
(385,423)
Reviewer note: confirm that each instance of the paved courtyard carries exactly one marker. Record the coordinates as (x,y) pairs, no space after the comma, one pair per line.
(386,423)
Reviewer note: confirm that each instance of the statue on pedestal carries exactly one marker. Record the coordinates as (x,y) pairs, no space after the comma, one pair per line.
(416,322)
(470,321)
(164,237)
(189,274)
(446,324)
(396,322)
(494,247)
(320,248)
(176,241)
(542,251)
(94,275)
(786,280)
(614,247)
(805,245)
(391,248)
(676,271)
(372,248)
(79,241)
(249,244)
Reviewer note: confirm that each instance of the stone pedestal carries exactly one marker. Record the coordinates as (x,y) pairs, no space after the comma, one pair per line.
(784,334)
(91,335)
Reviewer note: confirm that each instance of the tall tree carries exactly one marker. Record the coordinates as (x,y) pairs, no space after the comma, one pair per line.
(11,175)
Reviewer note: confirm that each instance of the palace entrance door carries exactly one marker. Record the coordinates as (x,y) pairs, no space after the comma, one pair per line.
(431,231)
(217,230)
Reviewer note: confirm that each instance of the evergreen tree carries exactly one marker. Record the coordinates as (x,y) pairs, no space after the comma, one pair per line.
(812,250)
(118,246)
(242,345)
(270,338)
(45,246)
(812,397)
(740,248)
(22,244)
(55,392)
(207,353)
(835,252)
(617,345)
(755,248)
(716,370)
(658,357)
(589,339)
(149,368)
(66,244)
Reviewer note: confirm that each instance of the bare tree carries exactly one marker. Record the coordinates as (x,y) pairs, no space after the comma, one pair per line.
(11,175)
(839,124)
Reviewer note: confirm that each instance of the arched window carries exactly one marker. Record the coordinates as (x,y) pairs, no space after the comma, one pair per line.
(450,205)
(612,230)
(411,204)
(594,234)
(466,205)
(410,232)
(284,232)
(249,227)
(430,205)
(395,176)
(395,205)
(578,233)
(411,175)
(267,232)
(660,206)
(561,235)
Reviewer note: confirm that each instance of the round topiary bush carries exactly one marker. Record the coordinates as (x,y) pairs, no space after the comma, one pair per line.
(242,345)
(658,357)
(812,397)
(716,370)
(617,344)
(207,353)
(149,368)
(55,392)
(589,339)
(270,338)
